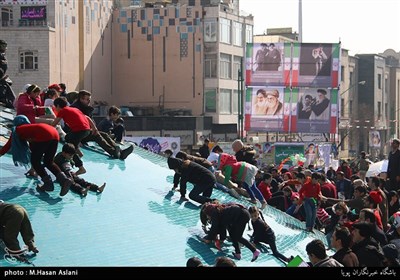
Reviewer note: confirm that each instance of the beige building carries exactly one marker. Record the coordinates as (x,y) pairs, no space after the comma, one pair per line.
(159,57)
(58,41)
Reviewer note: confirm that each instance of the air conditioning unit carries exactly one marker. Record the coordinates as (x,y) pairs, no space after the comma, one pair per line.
(252,139)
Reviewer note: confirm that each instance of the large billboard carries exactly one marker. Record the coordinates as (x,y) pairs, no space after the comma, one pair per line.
(33,12)
(278,109)
(292,87)
(293,64)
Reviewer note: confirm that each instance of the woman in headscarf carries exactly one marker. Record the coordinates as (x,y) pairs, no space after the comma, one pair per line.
(43,140)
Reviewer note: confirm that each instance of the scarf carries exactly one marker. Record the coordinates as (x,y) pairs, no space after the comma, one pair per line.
(20,151)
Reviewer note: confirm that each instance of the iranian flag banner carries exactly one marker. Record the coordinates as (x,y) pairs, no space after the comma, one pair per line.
(334,110)
(249,63)
(247,109)
(295,65)
(335,65)
(287,64)
(290,110)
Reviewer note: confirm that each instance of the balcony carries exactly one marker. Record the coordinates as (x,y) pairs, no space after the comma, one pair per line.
(33,23)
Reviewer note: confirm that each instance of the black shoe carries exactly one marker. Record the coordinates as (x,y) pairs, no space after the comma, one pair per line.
(43,188)
(125,153)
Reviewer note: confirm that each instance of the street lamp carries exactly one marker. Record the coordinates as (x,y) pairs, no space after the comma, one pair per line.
(351,86)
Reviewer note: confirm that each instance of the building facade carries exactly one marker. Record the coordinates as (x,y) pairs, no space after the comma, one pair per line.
(57,41)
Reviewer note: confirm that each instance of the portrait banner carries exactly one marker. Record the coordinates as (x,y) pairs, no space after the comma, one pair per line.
(316,110)
(265,64)
(264,109)
(315,65)
(293,64)
(374,139)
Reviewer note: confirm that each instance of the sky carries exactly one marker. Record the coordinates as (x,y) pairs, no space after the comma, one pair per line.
(362,26)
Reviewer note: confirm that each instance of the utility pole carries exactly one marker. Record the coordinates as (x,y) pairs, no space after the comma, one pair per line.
(240,101)
(300,21)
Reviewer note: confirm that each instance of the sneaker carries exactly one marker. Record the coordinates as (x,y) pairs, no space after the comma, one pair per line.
(125,153)
(237,256)
(183,198)
(31,174)
(233,193)
(101,188)
(309,230)
(40,188)
(263,205)
(84,192)
(43,188)
(117,153)
(255,255)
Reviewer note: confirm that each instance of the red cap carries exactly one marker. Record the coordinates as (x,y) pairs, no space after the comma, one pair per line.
(55,86)
(376,196)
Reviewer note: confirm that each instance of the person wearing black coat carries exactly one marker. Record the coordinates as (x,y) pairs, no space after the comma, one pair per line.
(232,217)
(367,249)
(203,180)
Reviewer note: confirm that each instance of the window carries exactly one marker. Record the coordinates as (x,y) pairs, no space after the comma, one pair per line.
(236,67)
(210,30)
(386,110)
(386,85)
(225,31)
(342,107)
(210,97)
(351,78)
(379,109)
(342,74)
(237,34)
(249,33)
(225,66)
(225,102)
(351,106)
(28,60)
(210,66)
(380,81)
(343,136)
(235,101)
(6,16)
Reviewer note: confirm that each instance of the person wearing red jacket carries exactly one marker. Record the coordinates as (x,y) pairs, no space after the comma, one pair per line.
(43,141)
(29,103)
(309,194)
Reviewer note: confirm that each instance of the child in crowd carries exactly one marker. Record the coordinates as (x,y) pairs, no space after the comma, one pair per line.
(241,172)
(202,179)
(64,160)
(264,233)
(231,217)
(113,124)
